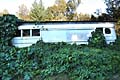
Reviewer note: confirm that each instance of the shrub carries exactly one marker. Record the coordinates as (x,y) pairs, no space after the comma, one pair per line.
(97,39)
(8,28)
(116,44)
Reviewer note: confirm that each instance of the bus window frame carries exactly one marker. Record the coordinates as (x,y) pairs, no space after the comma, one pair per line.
(27,34)
(106,31)
(38,33)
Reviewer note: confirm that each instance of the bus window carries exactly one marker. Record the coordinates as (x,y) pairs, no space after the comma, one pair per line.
(99,29)
(107,31)
(36,32)
(18,33)
(26,32)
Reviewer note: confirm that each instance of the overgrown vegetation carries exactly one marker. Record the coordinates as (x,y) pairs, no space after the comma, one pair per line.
(46,60)
(97,39)
(8,27)
(61,61)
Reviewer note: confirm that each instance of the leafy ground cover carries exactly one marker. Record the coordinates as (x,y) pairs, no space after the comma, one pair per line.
(47,61)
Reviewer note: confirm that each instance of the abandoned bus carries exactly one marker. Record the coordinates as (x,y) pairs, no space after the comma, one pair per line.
(65,31)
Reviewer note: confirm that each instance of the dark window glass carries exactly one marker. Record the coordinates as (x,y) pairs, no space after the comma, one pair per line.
(26,32)
(36,32)
(107,31)
(18,33)
(99,29)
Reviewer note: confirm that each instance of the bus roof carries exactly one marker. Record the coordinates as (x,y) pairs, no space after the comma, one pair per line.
(66,25)
(62,22)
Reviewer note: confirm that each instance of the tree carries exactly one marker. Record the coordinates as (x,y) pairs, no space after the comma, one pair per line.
(57,11)
(5,11)
(64,11)
(72,5)
(71,8)
(113,9)
(23,12)
(60,11)
(102,17)
(83,17)
(8,28)
(38,11)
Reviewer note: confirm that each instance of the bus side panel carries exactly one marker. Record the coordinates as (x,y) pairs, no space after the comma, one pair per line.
(110,37)
(24,41)
(66,35)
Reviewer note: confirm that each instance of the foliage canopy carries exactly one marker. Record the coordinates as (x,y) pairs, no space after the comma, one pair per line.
(113,9)
(8,27)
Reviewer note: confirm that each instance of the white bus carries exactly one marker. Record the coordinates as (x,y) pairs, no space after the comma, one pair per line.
(66,31)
